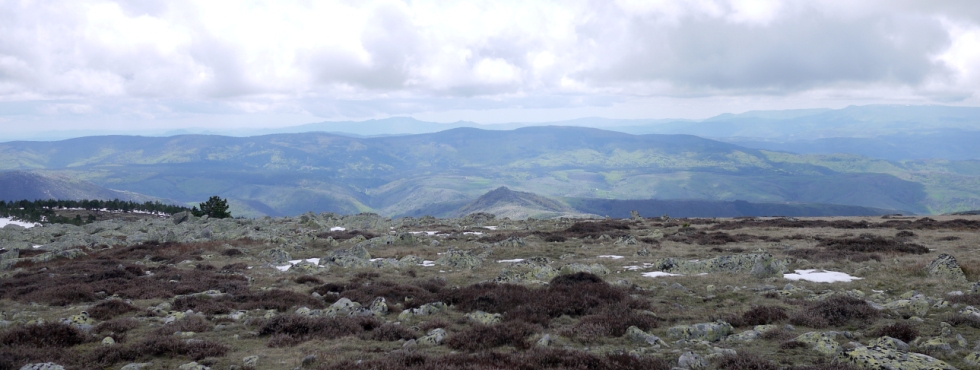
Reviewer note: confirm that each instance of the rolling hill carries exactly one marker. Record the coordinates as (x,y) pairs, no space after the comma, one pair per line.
(288,174)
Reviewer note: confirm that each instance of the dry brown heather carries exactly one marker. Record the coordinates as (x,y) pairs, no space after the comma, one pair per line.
(585,315)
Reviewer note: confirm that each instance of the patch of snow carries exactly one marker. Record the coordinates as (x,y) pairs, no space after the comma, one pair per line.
(315,261)
(283,267)
(37,246)
(490,227)
(429,233)
(634,268)
(375,259)
(654,274)
(511,261)
(338,228)
(7,221)
(427,263)
(472,233)
(821,276)
(615,257)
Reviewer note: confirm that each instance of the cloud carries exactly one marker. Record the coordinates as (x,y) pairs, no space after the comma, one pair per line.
(364,59)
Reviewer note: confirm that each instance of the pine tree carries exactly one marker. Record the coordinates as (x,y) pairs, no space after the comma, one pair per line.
(215,207)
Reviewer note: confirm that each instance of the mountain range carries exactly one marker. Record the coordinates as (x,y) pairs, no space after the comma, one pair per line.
(439,173)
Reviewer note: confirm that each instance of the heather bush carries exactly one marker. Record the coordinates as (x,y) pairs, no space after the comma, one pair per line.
(483,337)
(758,315)
(898,330)
(109,309)
(836,311)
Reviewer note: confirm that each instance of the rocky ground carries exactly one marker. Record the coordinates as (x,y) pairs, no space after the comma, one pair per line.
(365,292)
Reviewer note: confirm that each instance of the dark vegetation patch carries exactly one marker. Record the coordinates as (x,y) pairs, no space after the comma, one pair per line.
(483,337)
(111,308)
(864,247)
(390,332)
(347,234)
(961,319)
(898,330)
(612,322)
(925,223)
(499,237)
(835,311)
(577,294)
(551,359)
(307,279)
(190,323)
(758,315)
(292,329)
(116,328)
(275,299)
(716,238)
(43,335)
(364,290)
(751,361)
(972,299)
(948,238)
(595,229)
(61,283)
(153,346)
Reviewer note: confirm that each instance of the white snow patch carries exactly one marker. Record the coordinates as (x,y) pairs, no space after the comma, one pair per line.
(490,227)
(820,276)
(429,233)
(7,221)
(315,261)
(427,263)
(654,274)
(615,257)
(338,228)
(643,267)
(37,246)
(472,233)
(511,261)
(283,267)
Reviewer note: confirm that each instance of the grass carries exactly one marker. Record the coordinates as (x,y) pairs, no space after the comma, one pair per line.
(586,315)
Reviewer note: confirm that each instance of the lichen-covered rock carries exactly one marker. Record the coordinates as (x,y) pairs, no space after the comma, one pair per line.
(889,343)
(916,305)
(343,307)
(637,335)
(821,342)
(523,272)
(251,361)
(411,260)
(66,254)
(423,310)
(945,267)
(386,263)
(744,263)
(484,317)
(933,345)
(108,341)
(378,307)
(972,359)
(710,331)
(750,335)
(595,269)
(765,267)
(628,239)
(433,338)
(511,242)
(890,359)
(42,366)
(277,255)
(691,360)
(193,366)
(459,259)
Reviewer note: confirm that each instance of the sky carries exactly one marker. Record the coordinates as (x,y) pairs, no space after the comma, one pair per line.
(84,65)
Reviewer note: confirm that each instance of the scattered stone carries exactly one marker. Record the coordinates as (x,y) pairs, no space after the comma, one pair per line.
(972,359)
(251,361)
(277,255)
(637,335)
(484,318)
(423,310)
(433,338)
(459,259)
(691,360)
(595,268)
(628,239)
(308,361)
(545,341)
(710,332)
(889,343)
(945,267)
(822,342)
(193,366)
(890,359)
(42,366)
(136,366)
(108,341)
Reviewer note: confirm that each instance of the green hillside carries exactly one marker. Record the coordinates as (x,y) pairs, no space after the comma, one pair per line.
(288,174)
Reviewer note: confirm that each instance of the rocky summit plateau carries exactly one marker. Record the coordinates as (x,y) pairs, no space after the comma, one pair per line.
(328,291)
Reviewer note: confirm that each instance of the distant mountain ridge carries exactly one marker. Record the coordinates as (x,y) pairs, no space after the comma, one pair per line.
(21,185)
(504,202)
(289,174)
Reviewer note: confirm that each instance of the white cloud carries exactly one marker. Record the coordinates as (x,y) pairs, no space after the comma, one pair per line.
(368,59)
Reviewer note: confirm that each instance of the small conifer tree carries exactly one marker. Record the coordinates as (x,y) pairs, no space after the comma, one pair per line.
(215,207)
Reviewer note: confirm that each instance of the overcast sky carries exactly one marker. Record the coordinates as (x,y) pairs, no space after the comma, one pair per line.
(82,64)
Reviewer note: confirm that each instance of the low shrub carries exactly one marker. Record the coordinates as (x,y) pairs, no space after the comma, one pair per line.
(43,335)
(109,309)
(307,279)
(192,323)
(548,359)
(745,361)
(390,332)
(898,330)
(484,337)
(836,311)
(759,315)
(116,326)
(303,328)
